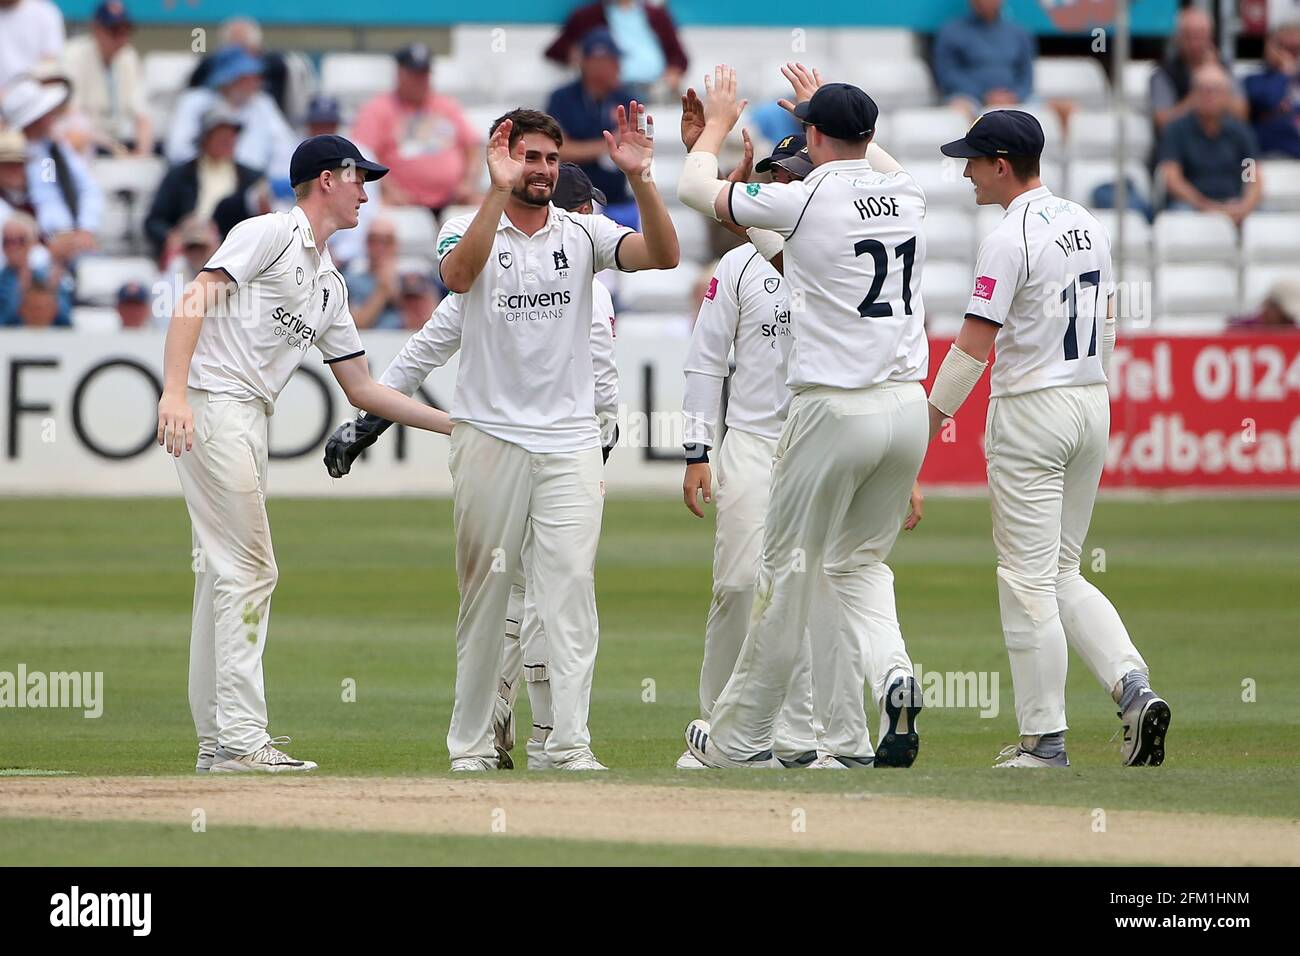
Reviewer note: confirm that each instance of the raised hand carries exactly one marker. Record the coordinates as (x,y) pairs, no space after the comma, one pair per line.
(632,145)
(720,104)
(692,118)
(504,169)
(803,81)
(746,166)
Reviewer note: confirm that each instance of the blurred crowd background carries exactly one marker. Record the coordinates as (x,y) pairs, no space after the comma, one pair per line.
(122,165)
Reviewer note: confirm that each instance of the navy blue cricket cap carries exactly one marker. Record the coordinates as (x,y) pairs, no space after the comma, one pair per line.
(133,292)
(573,188)
(599,42)
(791,154)
(316,154)
(841,111)
(111,14)
(415,56)
(999,133)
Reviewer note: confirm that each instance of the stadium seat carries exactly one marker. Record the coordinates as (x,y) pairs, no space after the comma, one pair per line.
(1094,134)
(138,175)
(356,77)
(1078,78)
(99,277)
(1087,174)
(519,44)
(1258,279)
(659,290)
(946,286)
(533,87)
(465,80)
(1195,237)
(95,319)
(878,43)
(1281,178)
(919,132)
(692,234)
(950,234)
(1270,237)
(943,183)
(1137,234)
(1201,288)
(897,83)
(451,212)
(166,73)
(1135,306)
(1137,84)
(1193,324)
(417,233)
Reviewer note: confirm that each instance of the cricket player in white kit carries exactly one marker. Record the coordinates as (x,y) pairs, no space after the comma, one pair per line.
(525,653)
(848,457)
(1043,296)
(240,330)
(525,451)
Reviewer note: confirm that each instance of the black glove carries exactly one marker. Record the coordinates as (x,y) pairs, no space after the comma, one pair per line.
(351,439)
(606,449)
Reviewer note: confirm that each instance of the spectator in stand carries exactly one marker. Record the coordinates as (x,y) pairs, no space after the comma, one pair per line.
(1274,94)
(373,286)
(234,81)
(1191,47)
(585,109)
(28,264)
(649,49)
(419,297)
(1280,311)
(42,306)
(984,60)
(195,240)
(108,83)
(1204,153)
(202,184)
(13,173)
(133,306)
(433,154)
(278,76)
(323,116)
(31,32)
(68,204)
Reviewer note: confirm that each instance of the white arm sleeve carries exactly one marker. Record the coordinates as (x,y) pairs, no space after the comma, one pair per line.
(957,376)
(701,402)
(429,348)
(603,366)
(768,243)
(699,184)
(881,161)
(707,362)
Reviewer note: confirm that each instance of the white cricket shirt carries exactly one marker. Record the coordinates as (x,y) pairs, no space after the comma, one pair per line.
(1044,276)
(525,372)
(853,261)
(746,310)
(288,297)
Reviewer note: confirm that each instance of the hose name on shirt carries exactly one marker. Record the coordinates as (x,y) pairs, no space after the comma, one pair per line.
(293,329)
(531,306)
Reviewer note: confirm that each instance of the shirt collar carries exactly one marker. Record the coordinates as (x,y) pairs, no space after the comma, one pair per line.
(1042,192)
(304,227)
(840,166)
(553,215)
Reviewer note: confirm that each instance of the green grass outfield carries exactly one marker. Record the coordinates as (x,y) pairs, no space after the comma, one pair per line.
(1210,589)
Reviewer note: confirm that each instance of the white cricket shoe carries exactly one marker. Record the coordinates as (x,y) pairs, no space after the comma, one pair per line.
(1013,758)
(472,764)
(266,759)
(697,741)
(204,762)
(826,762)
(587,761)
(688,761)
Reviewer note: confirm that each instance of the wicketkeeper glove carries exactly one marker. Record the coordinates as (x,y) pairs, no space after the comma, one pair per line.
(350,439)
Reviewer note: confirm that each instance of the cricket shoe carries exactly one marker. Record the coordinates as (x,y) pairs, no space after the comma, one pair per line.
(900,742)
(266,759)
(586,761)
(204,762)
(1015,757)
(503,732)
(799,762)
(472,764)
(1145,724)
(836,762)
(697,741)
(688,761)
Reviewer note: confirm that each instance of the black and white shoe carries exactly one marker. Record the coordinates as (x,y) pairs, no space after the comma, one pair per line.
(699,744)
(266,759)
(899,740)
(799,762)
(836,762)
(1145,724)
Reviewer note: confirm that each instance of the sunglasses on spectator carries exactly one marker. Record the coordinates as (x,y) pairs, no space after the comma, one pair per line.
(378,238)
(17,240)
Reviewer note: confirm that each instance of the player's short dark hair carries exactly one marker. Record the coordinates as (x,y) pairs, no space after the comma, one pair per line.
(529,121)
(1025,168)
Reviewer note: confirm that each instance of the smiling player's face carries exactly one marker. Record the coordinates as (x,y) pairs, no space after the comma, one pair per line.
(541,169)
(348,194)
(983,174)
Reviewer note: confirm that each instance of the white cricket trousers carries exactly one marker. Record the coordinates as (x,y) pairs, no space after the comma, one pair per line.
(224,482)
(1045,452)
(501,493)
(841,482)
(744,477)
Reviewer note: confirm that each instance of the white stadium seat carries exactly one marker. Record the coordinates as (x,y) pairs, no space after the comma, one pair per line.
(1258,280)
(943,183)
(946,287)
(659,290)
(96,319)
(1185,236)
(167,72)
(895,83)
(1281,178)
(986,220)
(1137,84)
(692,233)
(1137,234)
(99,277)
(1270,237)
(919,132)
(417,233)
(1193,324)
(1078,78)
(130,174)
(1094,134)
(356,77)
(1087,174)
(950,234)
(1201,288)
(877,43)
(514,43)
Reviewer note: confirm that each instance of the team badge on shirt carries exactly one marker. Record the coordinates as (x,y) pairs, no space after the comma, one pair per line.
(324,299)
(505,259)
(771,284)
(752,188)
(299,274)
(984,286)
(561,260)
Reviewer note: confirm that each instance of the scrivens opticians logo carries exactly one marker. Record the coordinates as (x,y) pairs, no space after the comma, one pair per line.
(293,329)
(531,306)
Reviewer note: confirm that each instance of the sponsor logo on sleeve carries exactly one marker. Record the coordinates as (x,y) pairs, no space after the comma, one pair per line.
(984,286)
(752,188)
(713,289)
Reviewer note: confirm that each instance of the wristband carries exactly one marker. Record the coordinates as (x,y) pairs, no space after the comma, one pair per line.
(957,376)
(696,453)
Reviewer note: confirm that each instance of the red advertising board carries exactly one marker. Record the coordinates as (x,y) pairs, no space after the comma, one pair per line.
(1213,412)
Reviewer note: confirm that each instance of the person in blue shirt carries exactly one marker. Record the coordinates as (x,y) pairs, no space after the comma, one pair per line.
(31,285)
(1274,95)
(983,60)
(585,109)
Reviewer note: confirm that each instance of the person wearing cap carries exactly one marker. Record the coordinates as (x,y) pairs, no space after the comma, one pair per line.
(236,336)
(983,59)
(650,51)
(586,110)
(526,652)
(234,83)
(852,242)
(27,262)
(133,306)
(69,204)
(417,297)
(1044,295)
(108,83)
(423,136)
(199,186)
(1279,312)
(31,32)
(13,173)
(323,115)
(285,76)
